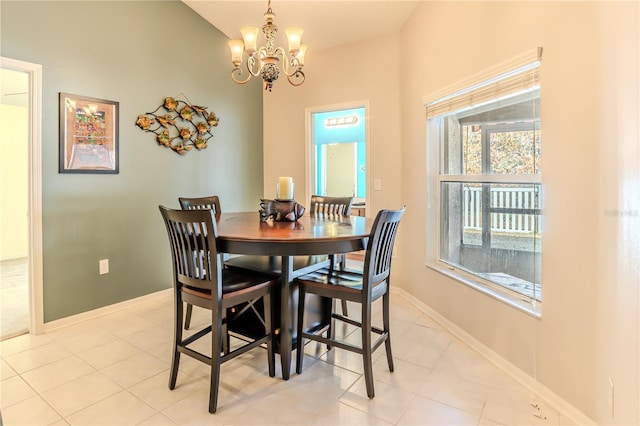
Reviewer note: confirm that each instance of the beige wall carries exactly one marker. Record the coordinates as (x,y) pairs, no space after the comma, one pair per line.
(618,281)
(14,151)
(589,327)
(588,332)
(339,76)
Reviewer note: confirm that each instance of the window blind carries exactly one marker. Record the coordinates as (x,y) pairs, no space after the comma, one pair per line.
(521,78)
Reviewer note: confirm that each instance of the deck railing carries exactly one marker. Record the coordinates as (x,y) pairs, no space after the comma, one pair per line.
(512,210)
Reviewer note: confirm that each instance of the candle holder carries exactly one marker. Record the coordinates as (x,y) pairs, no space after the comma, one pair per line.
(280,210)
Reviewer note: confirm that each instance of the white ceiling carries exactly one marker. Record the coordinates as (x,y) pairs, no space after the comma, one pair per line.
(326,24)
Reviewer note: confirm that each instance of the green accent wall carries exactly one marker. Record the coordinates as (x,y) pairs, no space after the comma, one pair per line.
(136,53)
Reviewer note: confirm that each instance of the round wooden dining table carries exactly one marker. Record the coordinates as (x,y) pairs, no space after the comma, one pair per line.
(244,233)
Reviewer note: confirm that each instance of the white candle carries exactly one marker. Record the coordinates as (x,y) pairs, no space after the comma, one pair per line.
(286,188)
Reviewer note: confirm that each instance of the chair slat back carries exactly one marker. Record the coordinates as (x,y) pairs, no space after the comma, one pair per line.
(193,238)
(201,203)
(330,205)
(377,261)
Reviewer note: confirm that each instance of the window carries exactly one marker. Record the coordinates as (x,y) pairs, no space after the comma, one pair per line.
(486,197)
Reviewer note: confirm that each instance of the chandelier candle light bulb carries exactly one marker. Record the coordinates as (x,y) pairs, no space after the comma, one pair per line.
(285,188)
(250,37)
(294,35)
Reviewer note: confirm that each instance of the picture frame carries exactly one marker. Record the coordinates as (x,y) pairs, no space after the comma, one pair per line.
(89,130)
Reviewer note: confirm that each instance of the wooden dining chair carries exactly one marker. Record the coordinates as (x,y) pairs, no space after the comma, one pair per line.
(251,310)
(361,287)
(211,202)
(321,204)
(200,279)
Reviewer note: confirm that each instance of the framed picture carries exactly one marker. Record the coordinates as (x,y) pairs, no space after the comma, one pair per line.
(88,135)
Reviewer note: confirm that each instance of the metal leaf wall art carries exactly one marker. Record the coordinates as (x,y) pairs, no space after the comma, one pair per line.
(181,127)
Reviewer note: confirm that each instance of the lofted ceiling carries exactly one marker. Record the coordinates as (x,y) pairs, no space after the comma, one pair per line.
(326,24)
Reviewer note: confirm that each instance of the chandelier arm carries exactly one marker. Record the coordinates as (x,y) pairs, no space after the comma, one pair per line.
(298,75)
(251,63)
(238,70)
(290,67)
(290,71)
(281,51)
(295,62)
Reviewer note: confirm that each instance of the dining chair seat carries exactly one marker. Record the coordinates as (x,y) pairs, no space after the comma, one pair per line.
(348,281)
(363,287)
(232,283)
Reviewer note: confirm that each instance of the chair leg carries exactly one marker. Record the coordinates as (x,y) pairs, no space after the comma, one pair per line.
(177,339)
(271,359)
(224,337)
(385,327)
(328,303)
(187,320)
(214,380)
(366,350)
(343,264)
(300,326)
(344,308)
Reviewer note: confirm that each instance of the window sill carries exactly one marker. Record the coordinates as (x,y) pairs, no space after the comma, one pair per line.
(531,307)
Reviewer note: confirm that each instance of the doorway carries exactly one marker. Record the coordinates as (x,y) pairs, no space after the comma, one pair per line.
(21,214)
(337,153)
(340,169)
(14,184)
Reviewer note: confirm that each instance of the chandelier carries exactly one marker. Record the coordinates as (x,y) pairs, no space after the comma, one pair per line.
(264,61)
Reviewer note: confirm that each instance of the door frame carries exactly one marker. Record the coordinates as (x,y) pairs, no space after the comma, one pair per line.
(36,305)
(310,152)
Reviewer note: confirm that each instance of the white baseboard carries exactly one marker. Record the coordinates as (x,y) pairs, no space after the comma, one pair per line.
(95,313)
(557,402)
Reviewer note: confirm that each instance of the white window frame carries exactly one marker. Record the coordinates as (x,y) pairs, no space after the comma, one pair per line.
(449,99)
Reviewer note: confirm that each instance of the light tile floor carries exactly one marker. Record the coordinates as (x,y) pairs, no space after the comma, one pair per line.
(114,370)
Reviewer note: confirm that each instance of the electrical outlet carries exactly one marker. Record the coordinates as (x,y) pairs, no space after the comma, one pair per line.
(611,397)
(104,266)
